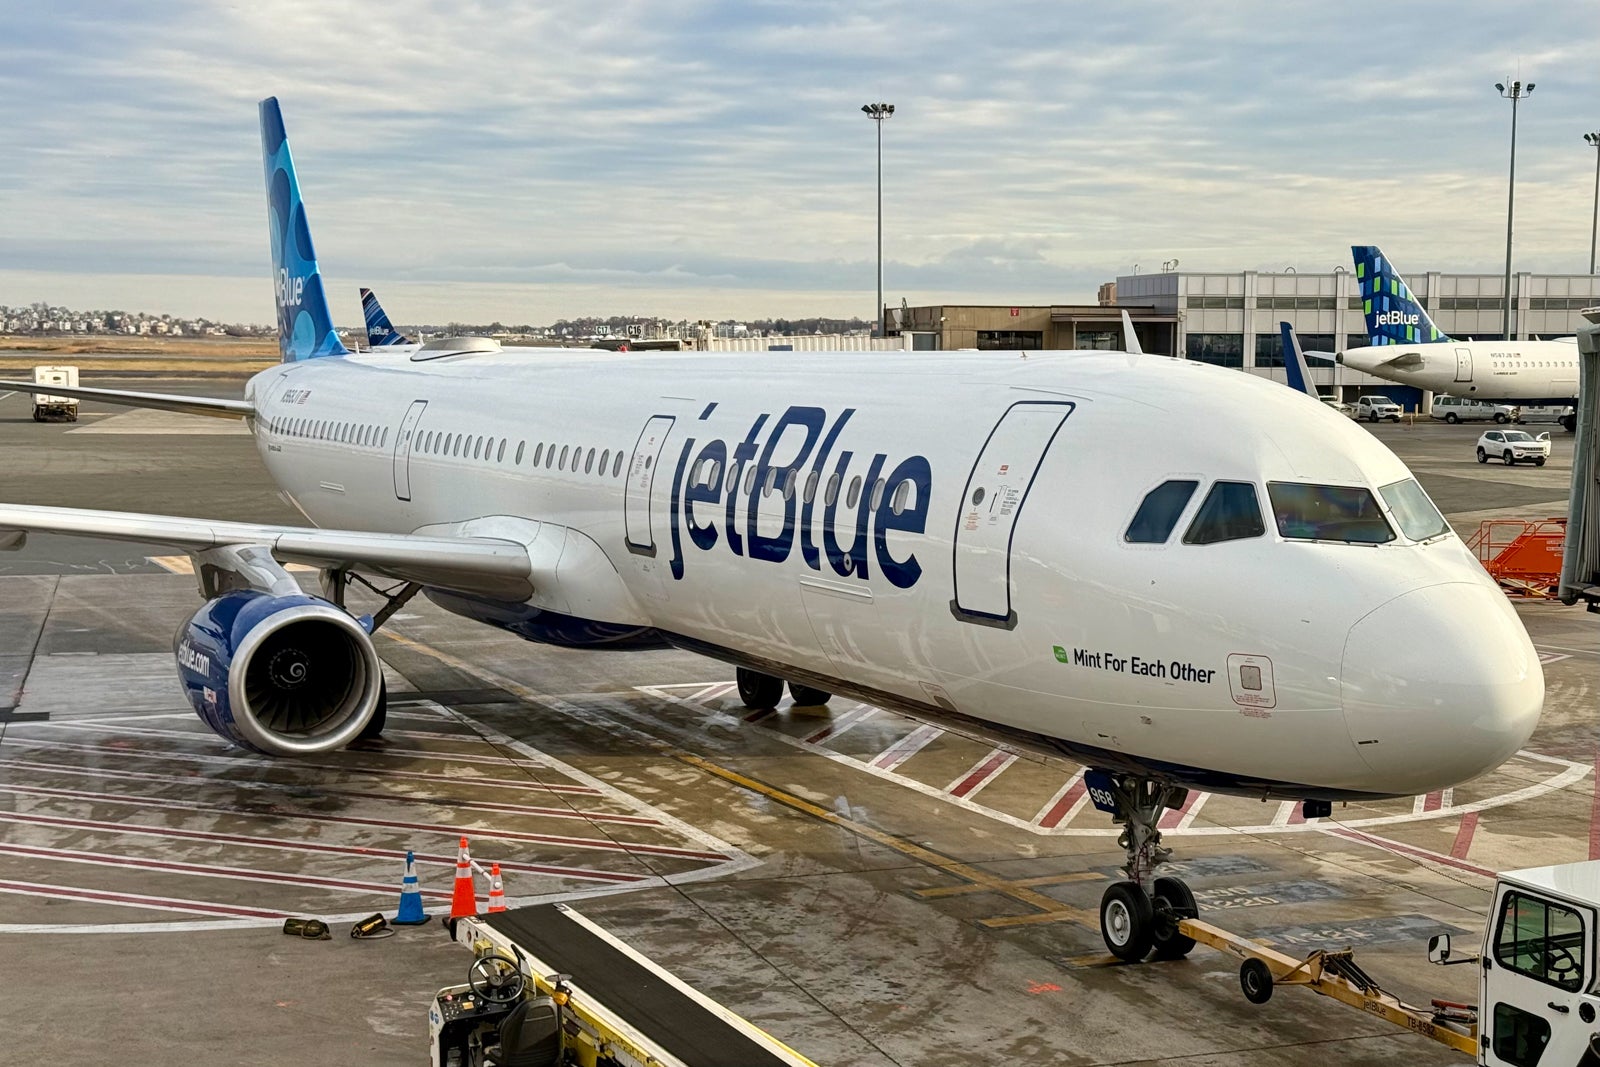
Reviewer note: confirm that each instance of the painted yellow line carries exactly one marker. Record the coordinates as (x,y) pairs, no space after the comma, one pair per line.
(1023,883)
(1053,910)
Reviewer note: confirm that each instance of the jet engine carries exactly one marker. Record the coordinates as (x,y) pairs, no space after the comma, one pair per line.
(284,675)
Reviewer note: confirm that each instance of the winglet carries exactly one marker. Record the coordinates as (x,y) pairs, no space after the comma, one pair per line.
(380,331)
(1130,340)
(305,329)
(1294,361)
(1394,316)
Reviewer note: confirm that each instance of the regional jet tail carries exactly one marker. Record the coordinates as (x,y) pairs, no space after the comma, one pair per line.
(380,331)
(1406,347)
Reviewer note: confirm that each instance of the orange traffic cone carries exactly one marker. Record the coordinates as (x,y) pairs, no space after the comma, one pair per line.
(497,892)
(464,900)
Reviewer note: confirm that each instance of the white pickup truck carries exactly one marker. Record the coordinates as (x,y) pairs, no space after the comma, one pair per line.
(1377,408)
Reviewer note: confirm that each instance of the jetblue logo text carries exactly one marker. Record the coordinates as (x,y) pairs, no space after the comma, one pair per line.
(290,290)
(1396,318)
(198,662)
(828,499)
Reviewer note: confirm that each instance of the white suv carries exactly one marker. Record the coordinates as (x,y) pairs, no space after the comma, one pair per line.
(1514,446)
(1376,408)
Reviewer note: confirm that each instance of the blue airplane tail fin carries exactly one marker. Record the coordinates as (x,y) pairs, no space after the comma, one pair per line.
(305,328)
(380,331)
(1394,316)
(1294,361)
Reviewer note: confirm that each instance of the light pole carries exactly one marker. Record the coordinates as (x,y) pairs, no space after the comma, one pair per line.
(1594,222)
(877,113)
(1515,93)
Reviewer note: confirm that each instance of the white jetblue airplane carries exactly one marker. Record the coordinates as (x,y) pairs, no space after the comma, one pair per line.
(1409,349)
(1178,575)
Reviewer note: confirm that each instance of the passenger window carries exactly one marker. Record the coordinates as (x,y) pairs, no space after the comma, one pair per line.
(561,464)
(1230,513)
(855,492)
(1328,513)
(521,445)
(902,496)
(538,452)
(772,481)
(550,458)
(1540,939)
(877,494)
(749,478)
(811,487)
(605,461)
(734,470)
(1158,513)
(788,485)
(500,453)
(588,462)
(831,494)
(616,464)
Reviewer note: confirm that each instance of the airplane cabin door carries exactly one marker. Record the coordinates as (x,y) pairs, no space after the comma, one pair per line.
(1463,364)
(636,506)
(402,449)
(996,491)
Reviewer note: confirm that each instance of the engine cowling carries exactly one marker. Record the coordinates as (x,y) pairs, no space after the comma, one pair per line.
(281,675)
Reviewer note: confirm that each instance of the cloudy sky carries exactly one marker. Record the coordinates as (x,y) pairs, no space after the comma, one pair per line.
(524,162)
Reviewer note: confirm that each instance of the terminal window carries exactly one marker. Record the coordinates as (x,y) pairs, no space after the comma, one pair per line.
(1223,349)
(1010,340)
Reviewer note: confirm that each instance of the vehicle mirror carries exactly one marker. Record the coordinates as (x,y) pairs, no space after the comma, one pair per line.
(1439,949)
(1545,436)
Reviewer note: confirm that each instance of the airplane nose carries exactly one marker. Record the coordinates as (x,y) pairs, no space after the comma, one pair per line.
(1440,685)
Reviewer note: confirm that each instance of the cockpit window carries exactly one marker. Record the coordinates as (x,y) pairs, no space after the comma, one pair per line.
(1328,513)
(1418,518)
(1159,513)
(1230,513)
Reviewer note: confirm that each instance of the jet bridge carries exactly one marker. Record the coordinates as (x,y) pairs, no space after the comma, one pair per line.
(1580,561)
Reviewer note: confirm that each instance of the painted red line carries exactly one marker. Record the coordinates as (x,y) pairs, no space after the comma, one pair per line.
(269,811)
(839,725)
(1298,815)
(1060,808)
(1173,816)
(283,845)
(472,805)
(529,784)
(1594,814)
(241,874)
(1469,826)
(759,714)
(201,907)
(981,774)
(1433,801)
(1410,851)
(906,747)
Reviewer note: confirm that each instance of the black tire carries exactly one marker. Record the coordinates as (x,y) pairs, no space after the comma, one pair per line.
(1539,462)
(1373,418)
(1501,417)
(1569,423)
(1172,901)
(1483,457)
(380,716)
(1507,458)
(1255,979)
(757,690)
(1452,418)
(806,697)
(1127,921)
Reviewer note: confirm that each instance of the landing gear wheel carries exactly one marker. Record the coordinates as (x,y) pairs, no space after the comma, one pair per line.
(757,690)
(1255,978)
(1172,900)
(1127,921)
(807,697)
(1483,457)
(380,716)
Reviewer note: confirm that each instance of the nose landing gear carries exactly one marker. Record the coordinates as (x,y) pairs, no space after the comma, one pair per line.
(1143,912)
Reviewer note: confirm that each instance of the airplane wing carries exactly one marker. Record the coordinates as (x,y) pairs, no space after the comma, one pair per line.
(189,405)
(503,568)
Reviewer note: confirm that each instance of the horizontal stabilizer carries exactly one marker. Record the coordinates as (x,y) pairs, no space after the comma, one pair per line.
(189,405)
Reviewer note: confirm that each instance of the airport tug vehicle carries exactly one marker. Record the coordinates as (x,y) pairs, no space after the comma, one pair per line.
(47,407)
(1538,974)
(548,987)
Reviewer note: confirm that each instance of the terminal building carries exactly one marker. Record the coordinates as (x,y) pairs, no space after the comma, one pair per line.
(1231,319)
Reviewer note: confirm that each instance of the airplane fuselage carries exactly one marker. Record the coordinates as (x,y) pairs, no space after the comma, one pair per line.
(1526,372)
(945,535)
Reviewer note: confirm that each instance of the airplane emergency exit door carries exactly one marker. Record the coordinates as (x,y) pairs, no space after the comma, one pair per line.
(996,491)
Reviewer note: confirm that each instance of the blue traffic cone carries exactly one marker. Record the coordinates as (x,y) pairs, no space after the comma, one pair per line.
(411,913)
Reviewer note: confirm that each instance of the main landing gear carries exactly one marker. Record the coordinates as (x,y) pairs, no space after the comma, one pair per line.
(1142,913)
(760,691)
(334,583)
